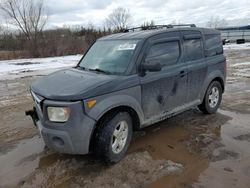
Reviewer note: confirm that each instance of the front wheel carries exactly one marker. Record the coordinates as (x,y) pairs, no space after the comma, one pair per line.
(212,99)
(113,137)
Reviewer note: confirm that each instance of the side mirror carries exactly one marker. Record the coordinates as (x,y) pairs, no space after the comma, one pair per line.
(151,67)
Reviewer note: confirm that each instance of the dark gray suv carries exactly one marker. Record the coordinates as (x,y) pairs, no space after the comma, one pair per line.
(128,81)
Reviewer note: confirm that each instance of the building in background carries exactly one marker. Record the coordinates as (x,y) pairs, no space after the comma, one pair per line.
(233,34)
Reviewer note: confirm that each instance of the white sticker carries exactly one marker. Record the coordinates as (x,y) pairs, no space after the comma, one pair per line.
(127,46)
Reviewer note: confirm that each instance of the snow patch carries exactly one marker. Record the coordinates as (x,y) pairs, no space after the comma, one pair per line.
(241,64)
(19,66)
(242,69)
(234,46)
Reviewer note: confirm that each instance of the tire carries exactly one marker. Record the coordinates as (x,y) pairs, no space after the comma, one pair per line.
(113,137)
(212,102)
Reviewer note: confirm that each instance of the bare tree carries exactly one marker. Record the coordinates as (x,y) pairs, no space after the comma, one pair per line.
(146,25)
(118,19)
(29,17)
(216,22)
(1,28)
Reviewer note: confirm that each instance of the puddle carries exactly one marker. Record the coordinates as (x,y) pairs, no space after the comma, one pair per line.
(186,139)
(231,167)
(168,143)
(21,161)
(231,156)
(243,137)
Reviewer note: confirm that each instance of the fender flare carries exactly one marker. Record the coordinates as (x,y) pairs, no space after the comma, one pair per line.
(112,102)
(209,79)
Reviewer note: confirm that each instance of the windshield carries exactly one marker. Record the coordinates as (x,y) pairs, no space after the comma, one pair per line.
(109,56)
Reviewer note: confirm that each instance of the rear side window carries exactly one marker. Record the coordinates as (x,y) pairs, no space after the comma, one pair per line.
(193,49)
(165,53)
(213,45)
(212,41)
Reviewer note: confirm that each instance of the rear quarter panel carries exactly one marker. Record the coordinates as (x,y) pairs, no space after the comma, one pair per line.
(216,69)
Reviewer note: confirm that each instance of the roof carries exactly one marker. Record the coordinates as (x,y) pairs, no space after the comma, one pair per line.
(143,34)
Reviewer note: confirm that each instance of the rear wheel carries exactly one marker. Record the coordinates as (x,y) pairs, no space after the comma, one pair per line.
(113,137)
(212,99)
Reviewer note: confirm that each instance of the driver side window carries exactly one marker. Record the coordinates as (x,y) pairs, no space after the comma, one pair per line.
(164,53)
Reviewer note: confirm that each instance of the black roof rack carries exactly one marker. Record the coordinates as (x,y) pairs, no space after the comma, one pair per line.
(158,27)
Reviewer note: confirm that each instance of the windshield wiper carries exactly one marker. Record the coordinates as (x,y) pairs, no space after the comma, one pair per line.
(79,67)
(99,70)
(96,70)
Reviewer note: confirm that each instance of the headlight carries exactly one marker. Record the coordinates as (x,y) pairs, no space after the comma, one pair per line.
(58,114)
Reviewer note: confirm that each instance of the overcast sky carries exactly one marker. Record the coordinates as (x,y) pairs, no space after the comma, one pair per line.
(83,12)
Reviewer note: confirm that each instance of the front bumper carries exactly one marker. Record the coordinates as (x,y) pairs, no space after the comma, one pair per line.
(71,137)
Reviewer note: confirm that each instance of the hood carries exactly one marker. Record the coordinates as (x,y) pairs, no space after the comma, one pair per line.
(70,84)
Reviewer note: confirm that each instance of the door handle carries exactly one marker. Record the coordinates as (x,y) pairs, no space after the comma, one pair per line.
(182,73)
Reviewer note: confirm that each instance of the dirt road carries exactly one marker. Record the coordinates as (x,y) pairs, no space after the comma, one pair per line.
(189,150)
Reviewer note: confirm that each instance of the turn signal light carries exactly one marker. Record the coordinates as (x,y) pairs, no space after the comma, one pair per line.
(91,103)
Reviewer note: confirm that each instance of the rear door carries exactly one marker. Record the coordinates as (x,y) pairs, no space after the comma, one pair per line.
(164,90)
(194,59)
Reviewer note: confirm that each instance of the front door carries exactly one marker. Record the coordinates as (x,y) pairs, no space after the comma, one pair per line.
(164,90)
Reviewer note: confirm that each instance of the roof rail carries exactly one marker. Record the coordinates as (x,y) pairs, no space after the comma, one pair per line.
(151,27)
(183,25)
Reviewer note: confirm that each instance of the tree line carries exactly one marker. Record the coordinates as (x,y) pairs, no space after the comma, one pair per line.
(30,39)
(56,42)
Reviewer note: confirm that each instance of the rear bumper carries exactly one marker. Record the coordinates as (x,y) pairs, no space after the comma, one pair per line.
(71,137)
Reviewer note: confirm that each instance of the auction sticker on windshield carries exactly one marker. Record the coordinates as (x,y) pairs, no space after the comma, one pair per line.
(126,46)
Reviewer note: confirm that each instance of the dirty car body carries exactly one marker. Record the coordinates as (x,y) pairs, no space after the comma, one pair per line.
(152,75)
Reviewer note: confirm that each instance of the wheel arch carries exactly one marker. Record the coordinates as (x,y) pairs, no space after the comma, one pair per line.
(122,108)
(112,112)
(221,81)
(215,76)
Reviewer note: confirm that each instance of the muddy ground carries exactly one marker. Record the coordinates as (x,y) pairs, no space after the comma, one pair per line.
(189,150)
